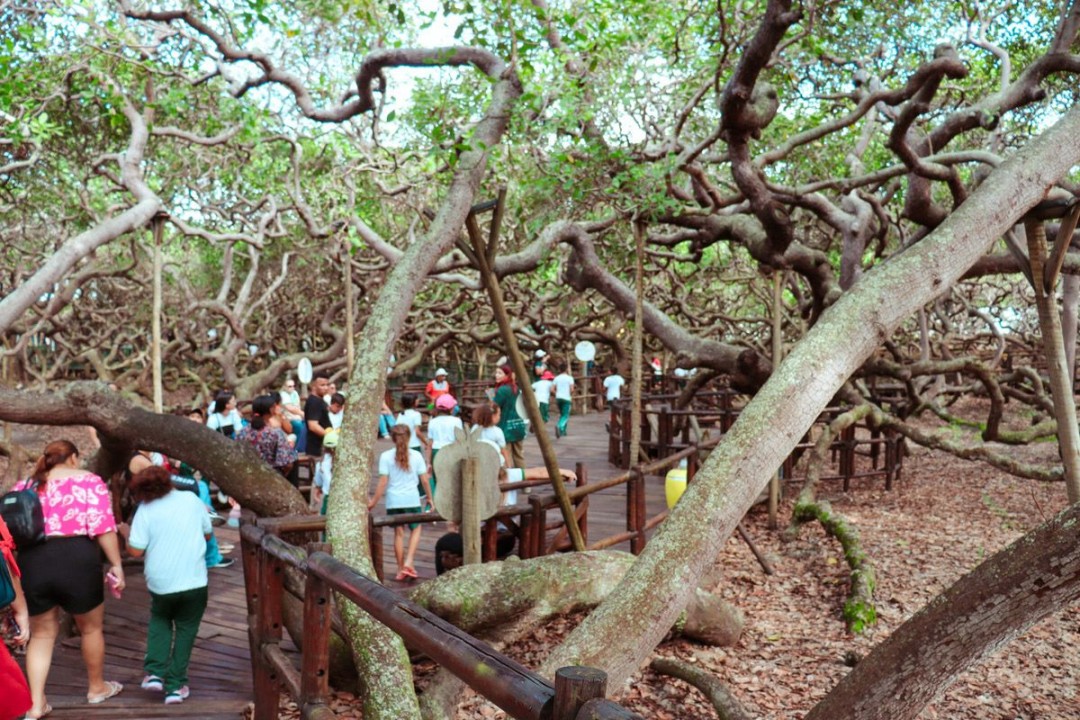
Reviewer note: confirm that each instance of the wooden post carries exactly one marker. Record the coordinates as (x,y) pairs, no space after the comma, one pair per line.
(315,658)
(664,436)
(266,632)
(482,255)
(635,510)
(375,542)
(489,543)
(537,524)
(575,686)
(470,513)
(613,456)
(582,480)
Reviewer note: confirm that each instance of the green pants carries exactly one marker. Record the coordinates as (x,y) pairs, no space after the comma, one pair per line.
(174,621)
(564,415)
(544,411)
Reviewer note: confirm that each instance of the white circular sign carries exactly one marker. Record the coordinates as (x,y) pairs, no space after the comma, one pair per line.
(585,351)
(303,370)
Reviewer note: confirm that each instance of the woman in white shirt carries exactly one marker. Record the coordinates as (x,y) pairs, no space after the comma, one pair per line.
(224,418)
(401,470)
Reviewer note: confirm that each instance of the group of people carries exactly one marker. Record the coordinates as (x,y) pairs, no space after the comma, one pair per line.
(406,478)
(65,571)
(173,529)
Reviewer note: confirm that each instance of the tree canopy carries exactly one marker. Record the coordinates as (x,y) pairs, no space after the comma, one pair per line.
(312,166)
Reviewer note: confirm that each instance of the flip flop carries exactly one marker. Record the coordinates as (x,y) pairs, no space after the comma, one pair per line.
(402,575)
(43,713)
(114,689)
(411,572)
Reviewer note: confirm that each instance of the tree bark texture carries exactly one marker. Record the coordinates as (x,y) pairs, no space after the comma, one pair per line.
(1054,347)
(1028,580)
(124,427)
(381,659)
(619,635)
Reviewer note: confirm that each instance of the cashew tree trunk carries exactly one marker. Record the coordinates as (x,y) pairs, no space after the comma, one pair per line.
(620,634)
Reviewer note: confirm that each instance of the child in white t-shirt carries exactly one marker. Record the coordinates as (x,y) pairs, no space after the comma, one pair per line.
(542,390)
(613,386)
(412,418)
(564,385)
(171,527)
(440,431)
(402,471)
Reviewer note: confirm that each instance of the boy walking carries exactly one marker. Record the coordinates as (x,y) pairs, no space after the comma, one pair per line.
(563,384)
(171,528)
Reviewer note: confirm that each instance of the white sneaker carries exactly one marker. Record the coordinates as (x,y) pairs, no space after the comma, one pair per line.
(177,696)
(153,682)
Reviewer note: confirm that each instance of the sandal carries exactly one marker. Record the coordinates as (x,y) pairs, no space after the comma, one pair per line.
(410,571)
(113,689)
(402,575)
(43,713)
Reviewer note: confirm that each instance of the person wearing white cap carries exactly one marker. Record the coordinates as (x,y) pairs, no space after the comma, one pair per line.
(540,364)
(437,387)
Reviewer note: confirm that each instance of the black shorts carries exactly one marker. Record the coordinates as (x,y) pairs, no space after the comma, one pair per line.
(64,571)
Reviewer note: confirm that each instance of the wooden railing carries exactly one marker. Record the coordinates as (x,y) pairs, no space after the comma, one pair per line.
(577,694)
(666,431)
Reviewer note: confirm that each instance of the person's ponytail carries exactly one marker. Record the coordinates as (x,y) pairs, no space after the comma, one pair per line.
(57,452)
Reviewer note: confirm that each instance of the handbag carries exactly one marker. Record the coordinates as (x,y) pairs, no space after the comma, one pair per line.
(21,511)
(7,586)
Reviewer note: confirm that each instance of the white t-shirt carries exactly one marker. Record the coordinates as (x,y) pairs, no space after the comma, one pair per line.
(441,430)
(493,434)
(172,531)
(401,490)
(413,419)
(542,388)
(335,419)
(563,384)
(613,385)
(219,421)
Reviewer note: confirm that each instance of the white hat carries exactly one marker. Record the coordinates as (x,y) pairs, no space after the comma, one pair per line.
(541,353)
(441,371)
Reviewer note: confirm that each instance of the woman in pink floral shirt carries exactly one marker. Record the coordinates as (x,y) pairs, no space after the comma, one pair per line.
(65,570)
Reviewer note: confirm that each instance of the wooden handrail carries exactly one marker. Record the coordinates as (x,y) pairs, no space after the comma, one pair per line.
(511,686)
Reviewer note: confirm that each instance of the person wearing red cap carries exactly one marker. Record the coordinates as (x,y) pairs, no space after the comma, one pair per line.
(542,390)
(441,430)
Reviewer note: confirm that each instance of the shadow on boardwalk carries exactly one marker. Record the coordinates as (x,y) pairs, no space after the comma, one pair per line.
(220,672)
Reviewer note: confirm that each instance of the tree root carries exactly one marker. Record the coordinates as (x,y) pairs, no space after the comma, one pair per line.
(859,611)
(727,706)
(502,602)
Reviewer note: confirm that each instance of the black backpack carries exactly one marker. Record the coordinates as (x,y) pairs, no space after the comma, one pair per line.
(21,510)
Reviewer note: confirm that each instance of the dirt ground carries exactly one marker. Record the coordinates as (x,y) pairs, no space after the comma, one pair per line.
(941,520)
(944,517)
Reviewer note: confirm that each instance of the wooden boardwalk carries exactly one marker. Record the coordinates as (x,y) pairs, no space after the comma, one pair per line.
(220,673)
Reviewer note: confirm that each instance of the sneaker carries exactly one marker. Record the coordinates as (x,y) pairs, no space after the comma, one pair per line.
(217,520)
(225,547)
(177,696)
(153,682)
(222,563)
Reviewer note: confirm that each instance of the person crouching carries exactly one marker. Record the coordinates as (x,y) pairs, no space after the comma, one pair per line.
(171,527)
